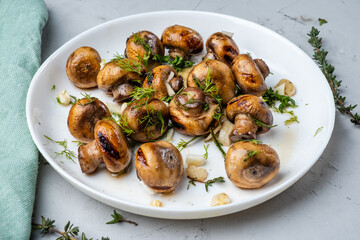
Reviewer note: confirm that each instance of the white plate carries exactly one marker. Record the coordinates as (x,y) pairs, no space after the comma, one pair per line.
(296,144)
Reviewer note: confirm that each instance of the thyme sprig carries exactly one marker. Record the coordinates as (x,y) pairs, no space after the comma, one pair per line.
(183,144)
(70,155)
(271,97)
(119,218)
(206,154)
(70,232)
(207,183)
(319,56)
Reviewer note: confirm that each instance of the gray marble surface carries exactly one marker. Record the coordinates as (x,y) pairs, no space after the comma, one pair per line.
(324,204)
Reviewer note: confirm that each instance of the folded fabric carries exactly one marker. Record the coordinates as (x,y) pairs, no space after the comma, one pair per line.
(21,25)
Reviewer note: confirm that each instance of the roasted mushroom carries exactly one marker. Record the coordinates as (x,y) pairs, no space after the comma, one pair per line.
(250,115)
(146,119)
(83,116)
(248,75)
(192,112)
(164,80)
(110,146)
(182,41)
(82,67)
(221,47)
(217,73)
(117,82)
(250,165)
(159,165)
(141,44)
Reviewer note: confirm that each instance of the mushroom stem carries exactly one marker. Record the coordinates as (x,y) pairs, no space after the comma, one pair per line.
(174,52)
(263,67)
(89,157)
(122,92)
(244,128)
(209,55)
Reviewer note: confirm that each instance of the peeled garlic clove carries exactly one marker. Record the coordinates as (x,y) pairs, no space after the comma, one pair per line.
(64,98)
(224,133)
(288,87)
(156,203)
(196,173)
(220,199)
(195,160)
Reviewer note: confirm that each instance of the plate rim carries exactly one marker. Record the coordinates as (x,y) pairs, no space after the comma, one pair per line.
(170,213)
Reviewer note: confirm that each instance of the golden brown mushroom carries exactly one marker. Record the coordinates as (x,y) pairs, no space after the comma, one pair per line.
(221,47)
(161,79)
(192,112)
(182,41)
(250,165)
(135,48)
(117,82)
(220,75)
(83,116)
(248,75)
(82,67)
(159,165)
(146,119)
(250,115)
(110,146)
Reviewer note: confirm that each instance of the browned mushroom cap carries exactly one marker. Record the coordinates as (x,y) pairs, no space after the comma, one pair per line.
(182,41)
(160,77)
(82,67)
(248,76)
(135,47)
(147,119)
(250,114)
(221,47)
(192,112)
(250,165)
(117,82)
(83,116)
(220,74)
(263,67)
(159,165)
(110,146)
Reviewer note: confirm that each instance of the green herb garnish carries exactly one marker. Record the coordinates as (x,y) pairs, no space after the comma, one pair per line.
(206,154)
(183,144)
(218,144)
(53,88)
(129,65)
(250,154)
(118,218)
(178,63)
(318,130)
(66,152)
(208,183)
(328,70)
(322,21)
(270,97)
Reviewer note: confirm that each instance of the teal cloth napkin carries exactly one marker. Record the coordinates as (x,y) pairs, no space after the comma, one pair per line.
(21,24)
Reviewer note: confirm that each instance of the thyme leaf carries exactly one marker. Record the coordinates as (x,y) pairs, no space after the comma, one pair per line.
(207,183)
(318,130)
(250,154)
(218,144)
(206,154)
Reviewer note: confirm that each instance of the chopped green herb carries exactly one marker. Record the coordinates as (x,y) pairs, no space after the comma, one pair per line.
(318,130)
(291,120)
(211,181)
(139,93)
(322,21)
(79,143)
(270,97)
(178,63)
(251,140)
(119,218)
(183,144)
(129,65)
(262,124)
(66,152)
(167,99)
(206,154)
(53,88)
(250,154)
(218,144)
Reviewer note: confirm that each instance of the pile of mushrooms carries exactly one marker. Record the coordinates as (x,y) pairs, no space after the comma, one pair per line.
(194,107)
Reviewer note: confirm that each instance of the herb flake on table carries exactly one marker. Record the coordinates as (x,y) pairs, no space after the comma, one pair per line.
(70,155)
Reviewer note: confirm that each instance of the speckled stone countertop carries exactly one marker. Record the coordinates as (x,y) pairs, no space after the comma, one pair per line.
(323,204)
